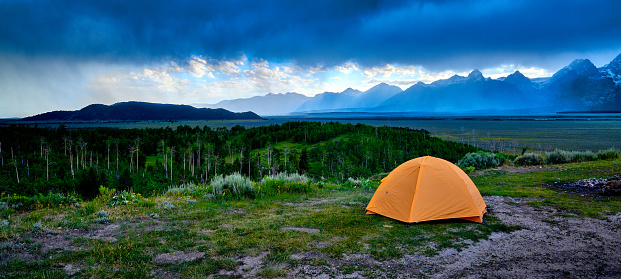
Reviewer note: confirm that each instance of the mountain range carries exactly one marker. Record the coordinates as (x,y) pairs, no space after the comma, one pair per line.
(270,104)
(142,111)
(580,86)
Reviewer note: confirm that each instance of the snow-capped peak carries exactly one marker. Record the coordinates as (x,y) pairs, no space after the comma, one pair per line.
(613,70)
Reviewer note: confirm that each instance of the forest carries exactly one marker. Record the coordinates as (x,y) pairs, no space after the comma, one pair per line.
(149,161)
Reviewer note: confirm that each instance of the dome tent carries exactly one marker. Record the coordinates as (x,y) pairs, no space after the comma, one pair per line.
(425,189)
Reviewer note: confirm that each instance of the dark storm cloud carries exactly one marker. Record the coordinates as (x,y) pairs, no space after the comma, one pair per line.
(429,33)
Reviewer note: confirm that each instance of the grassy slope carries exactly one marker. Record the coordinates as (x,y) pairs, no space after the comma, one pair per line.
(531,184)
(227,231)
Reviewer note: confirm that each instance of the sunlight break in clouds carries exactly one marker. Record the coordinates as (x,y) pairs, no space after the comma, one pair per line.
(389,69)
(202,79)
(505,70)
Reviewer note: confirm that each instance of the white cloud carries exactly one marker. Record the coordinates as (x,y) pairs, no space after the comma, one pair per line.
(200,66)
(347,68)
(197,66)
(505,70)
(228,68)
(389,70)
(269,78)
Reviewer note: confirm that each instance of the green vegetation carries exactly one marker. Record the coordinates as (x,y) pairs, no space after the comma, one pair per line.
(224,231)
(126,238)
(533,184)
(150,161)
(480,160)
(267,194)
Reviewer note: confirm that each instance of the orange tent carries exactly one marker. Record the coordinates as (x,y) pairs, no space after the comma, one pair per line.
(427,188)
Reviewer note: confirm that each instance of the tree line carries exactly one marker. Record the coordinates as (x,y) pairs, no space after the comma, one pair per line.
(42,160)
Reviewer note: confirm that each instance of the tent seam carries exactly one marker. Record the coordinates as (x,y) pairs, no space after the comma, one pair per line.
(420,173)
(469,196)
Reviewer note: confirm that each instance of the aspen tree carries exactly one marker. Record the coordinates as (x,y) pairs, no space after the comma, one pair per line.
(15,164)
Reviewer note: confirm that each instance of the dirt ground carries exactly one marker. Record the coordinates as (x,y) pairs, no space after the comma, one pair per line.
(552,246)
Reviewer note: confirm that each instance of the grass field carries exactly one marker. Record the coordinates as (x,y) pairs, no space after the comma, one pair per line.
(184,235)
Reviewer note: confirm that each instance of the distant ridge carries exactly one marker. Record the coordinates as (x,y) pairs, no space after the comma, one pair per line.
(580,86)
(142,111)
(270,104)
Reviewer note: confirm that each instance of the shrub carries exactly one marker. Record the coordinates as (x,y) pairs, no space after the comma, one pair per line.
(39,229)
(285,183)
(562,156)
(124,198)
(582,156)
(232,186)
(611,153)
(290,177)
(101,220)
(358,183)
(188,190)
(480,160)
(167,206)
(557,157)
(528,159)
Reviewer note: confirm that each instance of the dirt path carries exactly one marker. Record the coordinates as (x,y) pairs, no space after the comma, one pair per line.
(552,246)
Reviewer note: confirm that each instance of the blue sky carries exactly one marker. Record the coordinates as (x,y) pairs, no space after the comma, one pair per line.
(64,55)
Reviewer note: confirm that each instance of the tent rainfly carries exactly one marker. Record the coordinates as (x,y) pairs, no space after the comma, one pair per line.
(425,189)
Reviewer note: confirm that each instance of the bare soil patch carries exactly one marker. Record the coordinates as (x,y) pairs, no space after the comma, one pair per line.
(312,203)
(177,257)
(306,230)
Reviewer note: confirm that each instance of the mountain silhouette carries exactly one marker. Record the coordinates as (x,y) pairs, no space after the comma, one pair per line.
(142,111)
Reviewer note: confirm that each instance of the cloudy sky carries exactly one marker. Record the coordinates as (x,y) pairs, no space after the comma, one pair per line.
(64,55)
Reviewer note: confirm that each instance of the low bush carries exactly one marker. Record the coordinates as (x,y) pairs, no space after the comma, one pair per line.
(285,183)
(289,177)
(232,186)
(189,189)
(359,183)
(480,160)
(582,156)
(528,159)
(124,198)
(607,154)
(562,156)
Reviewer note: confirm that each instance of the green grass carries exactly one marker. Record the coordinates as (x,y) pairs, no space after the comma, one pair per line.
(532,184)
(228,230)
